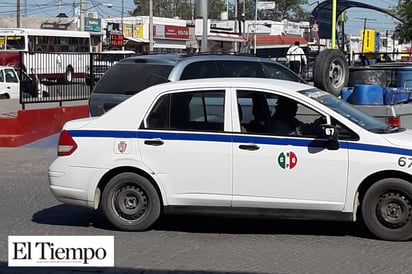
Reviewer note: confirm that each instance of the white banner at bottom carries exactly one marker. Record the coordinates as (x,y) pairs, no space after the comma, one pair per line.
(61,251)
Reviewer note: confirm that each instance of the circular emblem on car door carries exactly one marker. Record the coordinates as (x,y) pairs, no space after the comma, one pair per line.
(287,160)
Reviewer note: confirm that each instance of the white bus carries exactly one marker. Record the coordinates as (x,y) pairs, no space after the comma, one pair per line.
(53,54)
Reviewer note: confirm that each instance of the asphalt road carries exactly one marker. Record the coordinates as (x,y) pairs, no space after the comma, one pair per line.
(185,244)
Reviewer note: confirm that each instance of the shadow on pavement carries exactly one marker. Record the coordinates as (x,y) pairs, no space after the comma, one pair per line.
(68,215)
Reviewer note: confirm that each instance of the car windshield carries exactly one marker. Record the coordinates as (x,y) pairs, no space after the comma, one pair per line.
(347,110)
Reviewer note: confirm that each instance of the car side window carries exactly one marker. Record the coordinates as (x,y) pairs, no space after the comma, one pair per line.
(197,111)
(1,76)
(200,70)
(11,76)
(270,114)
(255,109)
(241,69)
(277,71)
(344,133)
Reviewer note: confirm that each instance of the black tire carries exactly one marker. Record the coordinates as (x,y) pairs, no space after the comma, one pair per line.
(69,75)
(387,209)
(130,202)
(367,76)
(331,71)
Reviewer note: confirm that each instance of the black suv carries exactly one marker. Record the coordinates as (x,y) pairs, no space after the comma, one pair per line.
(131,75)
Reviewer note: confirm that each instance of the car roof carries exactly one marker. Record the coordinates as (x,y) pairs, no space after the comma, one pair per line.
(174,58)
(218,57)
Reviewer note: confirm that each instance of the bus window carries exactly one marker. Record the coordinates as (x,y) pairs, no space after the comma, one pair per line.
(32,42)
(15,42)
(2,42)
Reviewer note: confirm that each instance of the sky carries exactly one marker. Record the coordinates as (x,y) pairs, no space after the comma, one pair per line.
(374,20)
(50,8)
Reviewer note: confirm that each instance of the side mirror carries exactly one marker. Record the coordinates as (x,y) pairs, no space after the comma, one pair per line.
(329,132)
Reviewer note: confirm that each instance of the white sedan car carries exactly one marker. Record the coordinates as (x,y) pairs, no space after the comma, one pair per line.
(242,146)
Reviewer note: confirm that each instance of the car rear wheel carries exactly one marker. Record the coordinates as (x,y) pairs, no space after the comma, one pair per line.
(131,202)
(387,209)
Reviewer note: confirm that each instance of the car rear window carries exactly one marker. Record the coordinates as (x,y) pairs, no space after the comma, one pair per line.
(130,78)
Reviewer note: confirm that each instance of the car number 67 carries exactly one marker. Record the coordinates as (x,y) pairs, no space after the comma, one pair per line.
(405,162)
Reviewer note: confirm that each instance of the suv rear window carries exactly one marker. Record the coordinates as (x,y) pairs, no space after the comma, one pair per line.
(130,78)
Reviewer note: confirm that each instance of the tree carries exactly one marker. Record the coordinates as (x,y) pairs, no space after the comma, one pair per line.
(285,9)
(183,9)
(403,30)
(165,8)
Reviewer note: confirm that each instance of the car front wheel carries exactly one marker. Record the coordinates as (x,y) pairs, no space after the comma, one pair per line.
(387,209)
(130,202)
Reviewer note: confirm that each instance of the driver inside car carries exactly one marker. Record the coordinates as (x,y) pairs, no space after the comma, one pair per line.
(284,121)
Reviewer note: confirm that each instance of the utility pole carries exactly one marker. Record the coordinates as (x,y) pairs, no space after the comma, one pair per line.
(334,4)
(204,46)
(18,13)
(81,15)
(255,19)
(122,16)
(151,41)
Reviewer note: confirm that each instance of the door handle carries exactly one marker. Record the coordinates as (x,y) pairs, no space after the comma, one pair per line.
(8,87)
(250,147)
(154,142)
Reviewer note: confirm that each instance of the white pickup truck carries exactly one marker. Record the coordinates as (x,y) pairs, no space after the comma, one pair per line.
(10,84)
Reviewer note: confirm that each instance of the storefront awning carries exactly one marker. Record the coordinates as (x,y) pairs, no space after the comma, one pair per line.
(137,40)
(277,41)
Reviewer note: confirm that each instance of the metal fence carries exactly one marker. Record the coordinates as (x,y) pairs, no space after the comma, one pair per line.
(60,77)
(53,77)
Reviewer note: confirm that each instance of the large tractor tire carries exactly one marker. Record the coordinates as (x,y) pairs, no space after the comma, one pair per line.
(331,71)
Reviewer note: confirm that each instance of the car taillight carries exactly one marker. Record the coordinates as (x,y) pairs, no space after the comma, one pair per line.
(66,145)
(393,121)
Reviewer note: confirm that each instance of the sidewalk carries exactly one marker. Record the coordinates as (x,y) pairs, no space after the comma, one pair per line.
(39,120)
(10,107)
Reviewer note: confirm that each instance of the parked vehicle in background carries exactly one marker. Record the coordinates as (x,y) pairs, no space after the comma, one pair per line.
(102,62)
(60,55)
(10,84)
(131,75)
(181,147)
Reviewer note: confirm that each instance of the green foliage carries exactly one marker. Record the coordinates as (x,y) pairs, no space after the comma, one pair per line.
(165,8)
(184,9)
(285,9)
(403,31)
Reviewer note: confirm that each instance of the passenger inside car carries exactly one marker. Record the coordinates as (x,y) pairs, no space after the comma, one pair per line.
(284,121)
